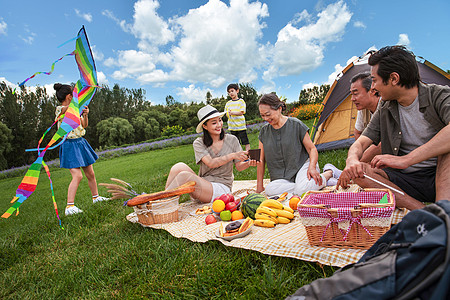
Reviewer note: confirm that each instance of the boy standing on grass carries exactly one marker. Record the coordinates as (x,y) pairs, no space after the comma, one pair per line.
(235,109)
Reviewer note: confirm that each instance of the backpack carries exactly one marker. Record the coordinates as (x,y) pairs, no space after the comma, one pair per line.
(410,261)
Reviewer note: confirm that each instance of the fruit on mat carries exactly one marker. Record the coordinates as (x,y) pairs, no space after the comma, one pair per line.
(272,204)
(225,215)
(231,206)
(283,220)
(218,206)
(266,210)
(287,208)
(284,213)
(250,204)
(264,223)
(293,202)
(226,198)
(210,219)
(236,215)
(261,216)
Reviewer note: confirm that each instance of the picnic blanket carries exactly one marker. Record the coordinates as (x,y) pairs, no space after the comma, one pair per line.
(287,240)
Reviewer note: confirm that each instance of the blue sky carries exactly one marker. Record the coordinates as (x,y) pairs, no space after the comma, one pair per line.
(186,48)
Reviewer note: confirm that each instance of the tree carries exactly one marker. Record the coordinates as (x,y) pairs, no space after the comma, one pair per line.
(170,100)
(315,94)
(115,131)
(248,93)
(6,138)
(208,97)
(145,126)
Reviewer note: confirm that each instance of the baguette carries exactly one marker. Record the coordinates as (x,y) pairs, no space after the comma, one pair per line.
(186,188)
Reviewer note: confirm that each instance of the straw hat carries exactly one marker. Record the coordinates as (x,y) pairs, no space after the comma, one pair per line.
(205,113)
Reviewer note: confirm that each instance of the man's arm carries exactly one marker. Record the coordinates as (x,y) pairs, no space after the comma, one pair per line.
(370,153)
(357,133)
(354,166)
(438,145)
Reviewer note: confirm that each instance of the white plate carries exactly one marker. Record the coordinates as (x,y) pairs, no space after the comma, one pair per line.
(230,238)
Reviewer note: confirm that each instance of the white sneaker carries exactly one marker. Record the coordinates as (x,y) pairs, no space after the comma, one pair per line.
(72,210)
(336,171)
(100,198)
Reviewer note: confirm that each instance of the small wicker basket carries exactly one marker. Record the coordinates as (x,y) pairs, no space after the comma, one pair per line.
(158,211)
(346,220)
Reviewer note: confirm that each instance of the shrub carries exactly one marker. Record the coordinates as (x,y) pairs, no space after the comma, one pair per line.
(172,130)
(305,112)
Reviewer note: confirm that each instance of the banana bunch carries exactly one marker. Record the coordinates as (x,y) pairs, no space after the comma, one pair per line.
(271,212)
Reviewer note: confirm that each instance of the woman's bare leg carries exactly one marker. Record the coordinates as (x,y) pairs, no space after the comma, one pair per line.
(181,173)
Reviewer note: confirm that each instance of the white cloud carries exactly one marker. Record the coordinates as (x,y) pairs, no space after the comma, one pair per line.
(192,93)
(154,76)
(3,27)
(196,55)
(8,83)
(148,25)
(310,85)
(337,70)
(98,55)
(359,24)
(198,46)
(226,31)
(403,39)
(303,16)
(132,64)
(86,16)
(301,49)
(30,38)
(122,23)
(101,78)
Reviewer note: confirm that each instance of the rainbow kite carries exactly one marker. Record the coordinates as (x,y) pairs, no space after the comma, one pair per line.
(83,92)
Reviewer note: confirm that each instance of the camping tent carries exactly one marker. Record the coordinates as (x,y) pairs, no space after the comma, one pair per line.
(336,123)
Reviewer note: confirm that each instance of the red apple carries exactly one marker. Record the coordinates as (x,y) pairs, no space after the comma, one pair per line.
(227,198)
(231,206)
(210,219)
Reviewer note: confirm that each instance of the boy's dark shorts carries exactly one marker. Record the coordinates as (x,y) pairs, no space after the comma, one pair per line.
(241,135)
(419,184)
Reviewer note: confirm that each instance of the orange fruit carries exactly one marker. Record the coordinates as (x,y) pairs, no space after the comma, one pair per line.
(293,202)
(236,215)
(218,206)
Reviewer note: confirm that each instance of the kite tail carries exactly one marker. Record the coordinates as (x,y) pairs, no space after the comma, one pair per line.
(46,73)
(53,194)
(26,187)
(40,141)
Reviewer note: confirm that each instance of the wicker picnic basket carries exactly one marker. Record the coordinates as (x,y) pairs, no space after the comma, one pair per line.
(158,211)
(348,219)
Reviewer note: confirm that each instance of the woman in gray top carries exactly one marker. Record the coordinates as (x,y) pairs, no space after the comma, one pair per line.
(287,149)
(215,152)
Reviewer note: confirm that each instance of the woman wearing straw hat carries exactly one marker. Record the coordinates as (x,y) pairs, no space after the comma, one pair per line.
(215,153)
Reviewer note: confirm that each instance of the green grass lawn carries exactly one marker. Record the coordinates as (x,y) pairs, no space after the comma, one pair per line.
(99,254)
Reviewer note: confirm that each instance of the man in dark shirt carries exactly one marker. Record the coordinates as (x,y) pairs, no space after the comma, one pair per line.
(412,125)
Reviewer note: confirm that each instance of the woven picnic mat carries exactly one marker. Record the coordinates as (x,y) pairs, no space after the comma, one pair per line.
(287,240)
